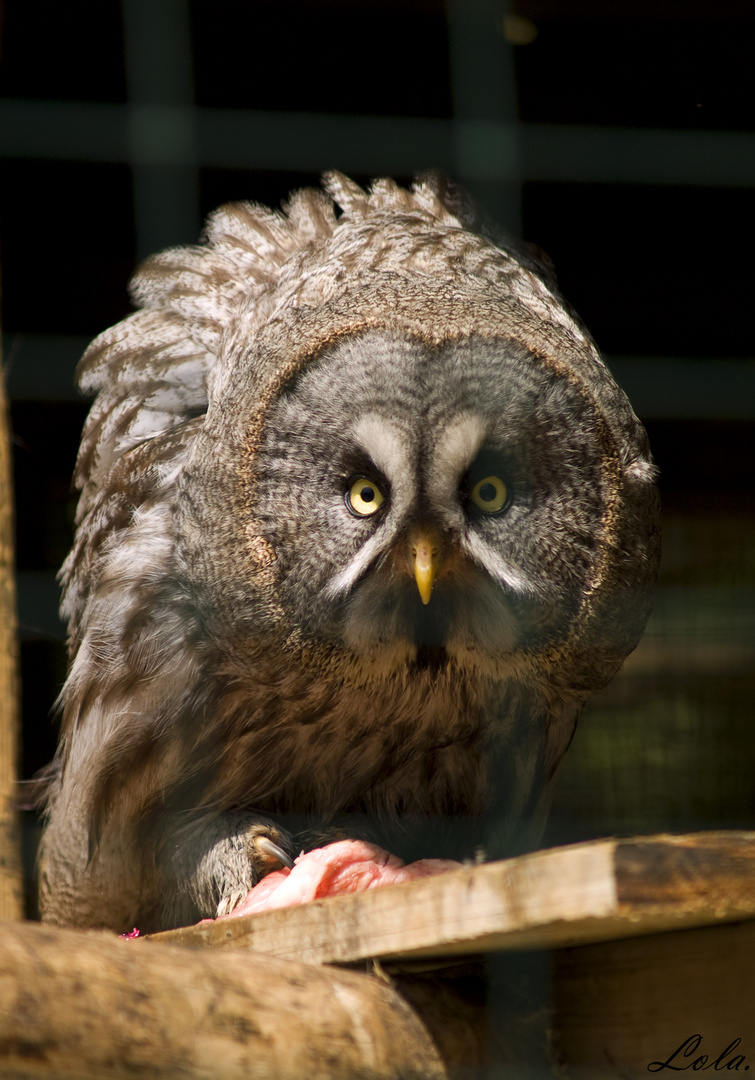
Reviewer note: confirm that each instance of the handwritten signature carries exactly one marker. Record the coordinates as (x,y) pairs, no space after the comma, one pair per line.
(689,1047)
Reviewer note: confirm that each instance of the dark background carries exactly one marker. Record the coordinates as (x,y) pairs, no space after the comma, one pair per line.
(618,136)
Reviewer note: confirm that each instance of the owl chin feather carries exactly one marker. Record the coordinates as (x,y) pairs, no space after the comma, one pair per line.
(364,519)
(456,621)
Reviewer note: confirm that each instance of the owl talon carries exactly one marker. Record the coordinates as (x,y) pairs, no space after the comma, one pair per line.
(231,901)
(273,855)
(269,857)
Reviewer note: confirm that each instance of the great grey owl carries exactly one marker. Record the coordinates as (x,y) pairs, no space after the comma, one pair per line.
(364,519)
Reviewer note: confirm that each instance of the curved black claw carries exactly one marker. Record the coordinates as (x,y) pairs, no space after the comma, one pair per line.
(275,853)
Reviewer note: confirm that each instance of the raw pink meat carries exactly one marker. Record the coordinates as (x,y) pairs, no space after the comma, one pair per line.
(343,867)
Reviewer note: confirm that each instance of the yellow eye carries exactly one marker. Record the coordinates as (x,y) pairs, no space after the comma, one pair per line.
(489,494)
(364,497)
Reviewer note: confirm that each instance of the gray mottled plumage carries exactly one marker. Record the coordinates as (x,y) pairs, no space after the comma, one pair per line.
(250,656)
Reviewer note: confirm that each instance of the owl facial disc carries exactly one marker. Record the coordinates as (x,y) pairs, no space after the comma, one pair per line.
(445,497)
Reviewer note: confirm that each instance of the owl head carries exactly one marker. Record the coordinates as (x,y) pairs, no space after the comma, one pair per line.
(391,444)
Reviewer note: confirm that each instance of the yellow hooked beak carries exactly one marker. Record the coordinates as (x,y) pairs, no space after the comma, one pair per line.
(425,556)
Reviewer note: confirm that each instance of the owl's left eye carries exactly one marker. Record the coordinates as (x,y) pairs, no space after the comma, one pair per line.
(364,497)
(489,494)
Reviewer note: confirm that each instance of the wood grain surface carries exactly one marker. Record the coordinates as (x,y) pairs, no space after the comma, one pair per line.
(11,884)
(603,890)
(80,1005)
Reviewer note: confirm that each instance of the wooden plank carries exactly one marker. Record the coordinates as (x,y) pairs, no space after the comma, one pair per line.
(11,886)
(624,1009)
(603,890)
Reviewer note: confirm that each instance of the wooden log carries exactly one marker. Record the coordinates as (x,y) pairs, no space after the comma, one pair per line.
(597,891)
(83,1005)
(78,1004)
(11,881)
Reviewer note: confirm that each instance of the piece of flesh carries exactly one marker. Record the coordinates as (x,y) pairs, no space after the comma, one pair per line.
(345,866)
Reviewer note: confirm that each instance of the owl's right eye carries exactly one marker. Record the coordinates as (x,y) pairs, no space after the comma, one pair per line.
(364,497)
